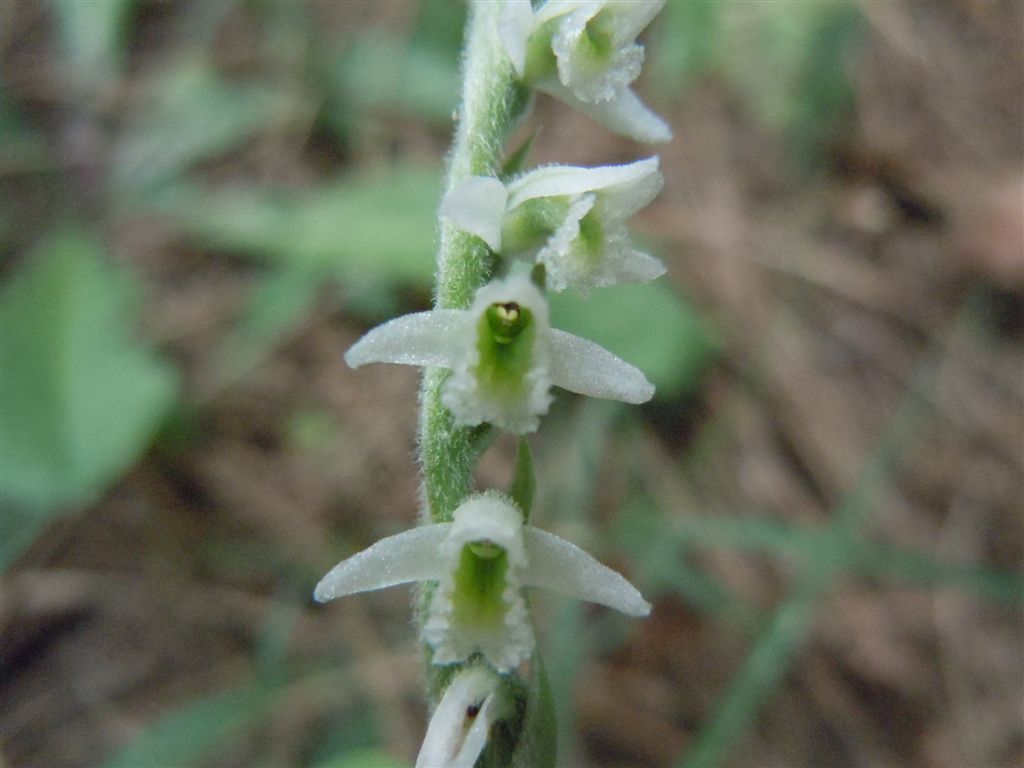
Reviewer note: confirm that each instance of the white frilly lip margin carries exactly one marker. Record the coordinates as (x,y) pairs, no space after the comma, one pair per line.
(446,337)
(456,737)
(623,113)
(547,561)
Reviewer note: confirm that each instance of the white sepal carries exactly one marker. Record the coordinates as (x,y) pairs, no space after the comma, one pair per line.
(400,559)
(477,205)
(562,567)
(623,114)
(423,338)
(582,366)
(458,729)
(514,27)
(557,180)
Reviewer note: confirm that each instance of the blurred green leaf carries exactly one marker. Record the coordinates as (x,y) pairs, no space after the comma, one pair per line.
(384,71)
(371,232)
(19,527)
(19,144)
(789,59)
(276,305)
(647,325)
(415,75)
(193,115)
(91,35)
(686,43)
(186,735)
(81,398)
(660,554)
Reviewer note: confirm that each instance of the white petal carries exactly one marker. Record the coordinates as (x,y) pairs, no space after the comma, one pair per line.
(558,180)
(631,17)
(588,368)
(406,557)
(477,205)
(625,114)
(514,27)
(448,742)
(424,338)
(561,566)
(635,190)
(552,9)
(634,266)
(476,739)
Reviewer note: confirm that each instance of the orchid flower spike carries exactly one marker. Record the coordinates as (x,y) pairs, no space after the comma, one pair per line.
(573,220)
(458,730)
(482,560)
(504,357)
(584,52)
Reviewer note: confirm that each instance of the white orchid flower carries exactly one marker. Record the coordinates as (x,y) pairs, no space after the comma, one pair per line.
(458,728)
(504,357)
(482,561)
(584,52)
(572,219)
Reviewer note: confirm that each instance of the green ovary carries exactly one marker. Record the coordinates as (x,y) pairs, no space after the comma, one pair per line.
(505,338)
(479,586)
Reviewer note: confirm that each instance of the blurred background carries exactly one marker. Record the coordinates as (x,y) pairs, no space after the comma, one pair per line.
(203,204)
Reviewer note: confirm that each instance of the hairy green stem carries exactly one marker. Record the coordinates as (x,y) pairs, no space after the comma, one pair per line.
(492,100)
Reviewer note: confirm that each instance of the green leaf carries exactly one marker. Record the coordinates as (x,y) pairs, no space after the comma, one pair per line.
(415,75)
(384,72)
(686,44)
(91,35)
(789,60)
(647,325)
(186,735)
(367,231)
(275,306)
(81,398)
(193,115)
